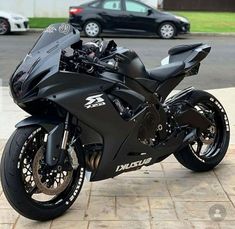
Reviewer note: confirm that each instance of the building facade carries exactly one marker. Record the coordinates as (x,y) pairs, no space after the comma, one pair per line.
(47,8)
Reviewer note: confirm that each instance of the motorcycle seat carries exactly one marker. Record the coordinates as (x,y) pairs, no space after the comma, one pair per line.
(167,71)
(183,48)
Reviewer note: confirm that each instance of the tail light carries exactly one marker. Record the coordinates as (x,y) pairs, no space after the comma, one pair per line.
(76,10)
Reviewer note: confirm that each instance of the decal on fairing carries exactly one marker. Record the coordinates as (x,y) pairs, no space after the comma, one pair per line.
(94,101)
(133,164)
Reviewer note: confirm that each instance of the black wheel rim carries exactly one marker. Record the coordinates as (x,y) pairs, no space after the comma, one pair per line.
(208,144)
(25,163)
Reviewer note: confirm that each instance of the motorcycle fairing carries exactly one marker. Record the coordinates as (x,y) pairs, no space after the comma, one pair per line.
(72,91)
(43,60)
(120,140)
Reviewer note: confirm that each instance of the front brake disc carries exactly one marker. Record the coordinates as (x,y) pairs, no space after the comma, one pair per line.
(49,181)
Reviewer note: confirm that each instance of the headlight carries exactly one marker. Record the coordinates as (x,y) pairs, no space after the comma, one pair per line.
(182,19)
(17,82)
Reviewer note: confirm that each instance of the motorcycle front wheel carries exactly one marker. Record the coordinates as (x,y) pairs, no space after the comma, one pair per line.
(34,189)
(210,146)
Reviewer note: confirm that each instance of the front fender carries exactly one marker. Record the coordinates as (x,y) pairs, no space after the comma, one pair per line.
(47,122)
(55,128)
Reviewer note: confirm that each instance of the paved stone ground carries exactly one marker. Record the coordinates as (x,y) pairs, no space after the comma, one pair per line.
(165,195)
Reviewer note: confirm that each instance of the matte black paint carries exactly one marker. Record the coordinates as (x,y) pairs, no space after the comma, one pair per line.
(53,144)
(104,124)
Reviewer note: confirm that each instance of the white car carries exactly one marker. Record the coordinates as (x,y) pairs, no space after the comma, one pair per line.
(11,22)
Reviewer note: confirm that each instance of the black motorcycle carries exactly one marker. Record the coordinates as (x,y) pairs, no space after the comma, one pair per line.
(96,111)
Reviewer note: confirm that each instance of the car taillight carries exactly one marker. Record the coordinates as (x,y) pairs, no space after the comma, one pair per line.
(75,10)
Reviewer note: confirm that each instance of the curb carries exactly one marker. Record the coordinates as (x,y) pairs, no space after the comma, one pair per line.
(36,30)
(212,34)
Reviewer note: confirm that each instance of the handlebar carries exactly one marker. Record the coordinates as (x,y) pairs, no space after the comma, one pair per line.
(100,63)
(86,59)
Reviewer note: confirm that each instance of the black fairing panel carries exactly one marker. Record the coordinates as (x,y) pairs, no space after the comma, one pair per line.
(191,57)
(167,86)
(70,91)
(182,48)
(133,98)
(134,68)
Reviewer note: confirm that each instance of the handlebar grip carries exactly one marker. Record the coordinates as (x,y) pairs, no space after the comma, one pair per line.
(106,65)
(95,60)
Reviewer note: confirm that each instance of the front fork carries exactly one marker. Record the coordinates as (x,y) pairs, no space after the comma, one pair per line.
(66,133)
(73,158)
(56,143)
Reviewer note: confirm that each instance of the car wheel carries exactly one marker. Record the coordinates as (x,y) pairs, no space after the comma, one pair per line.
(4,26)
(92,29)
(167,30)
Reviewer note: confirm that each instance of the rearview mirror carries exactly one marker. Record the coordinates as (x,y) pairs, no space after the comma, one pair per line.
(149,12)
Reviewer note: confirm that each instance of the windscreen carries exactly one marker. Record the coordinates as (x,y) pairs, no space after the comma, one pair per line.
(44,58)
(52,34)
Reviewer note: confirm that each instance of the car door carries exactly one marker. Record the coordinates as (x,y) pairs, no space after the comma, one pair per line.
(112,14)
(140,17)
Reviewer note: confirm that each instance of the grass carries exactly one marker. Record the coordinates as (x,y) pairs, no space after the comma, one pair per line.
(210,21)
(39,22)
(200,21)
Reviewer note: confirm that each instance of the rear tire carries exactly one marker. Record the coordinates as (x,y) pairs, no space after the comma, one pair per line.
(92,29)
(16,185)
(191,159)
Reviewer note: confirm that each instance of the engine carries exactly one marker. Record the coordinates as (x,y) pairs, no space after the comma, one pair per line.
(155,125)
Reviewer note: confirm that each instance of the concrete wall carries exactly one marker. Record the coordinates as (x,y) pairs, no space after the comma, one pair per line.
(25,7)
(46,8)
(39,8)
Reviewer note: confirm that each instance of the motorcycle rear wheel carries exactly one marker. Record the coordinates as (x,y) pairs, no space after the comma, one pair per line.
(22,153)
(209,149)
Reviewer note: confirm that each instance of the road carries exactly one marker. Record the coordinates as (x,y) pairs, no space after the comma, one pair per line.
(217,70)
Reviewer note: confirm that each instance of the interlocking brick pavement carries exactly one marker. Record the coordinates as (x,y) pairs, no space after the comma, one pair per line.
(165,195)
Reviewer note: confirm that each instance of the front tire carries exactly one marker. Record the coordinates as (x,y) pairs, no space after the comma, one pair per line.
(167,30)
(209,149)
(19,182)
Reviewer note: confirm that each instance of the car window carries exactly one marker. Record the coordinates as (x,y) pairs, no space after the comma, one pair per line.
(135,7)
(112,4)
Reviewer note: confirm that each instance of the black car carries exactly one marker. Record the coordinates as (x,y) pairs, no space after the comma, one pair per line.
(126,17)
